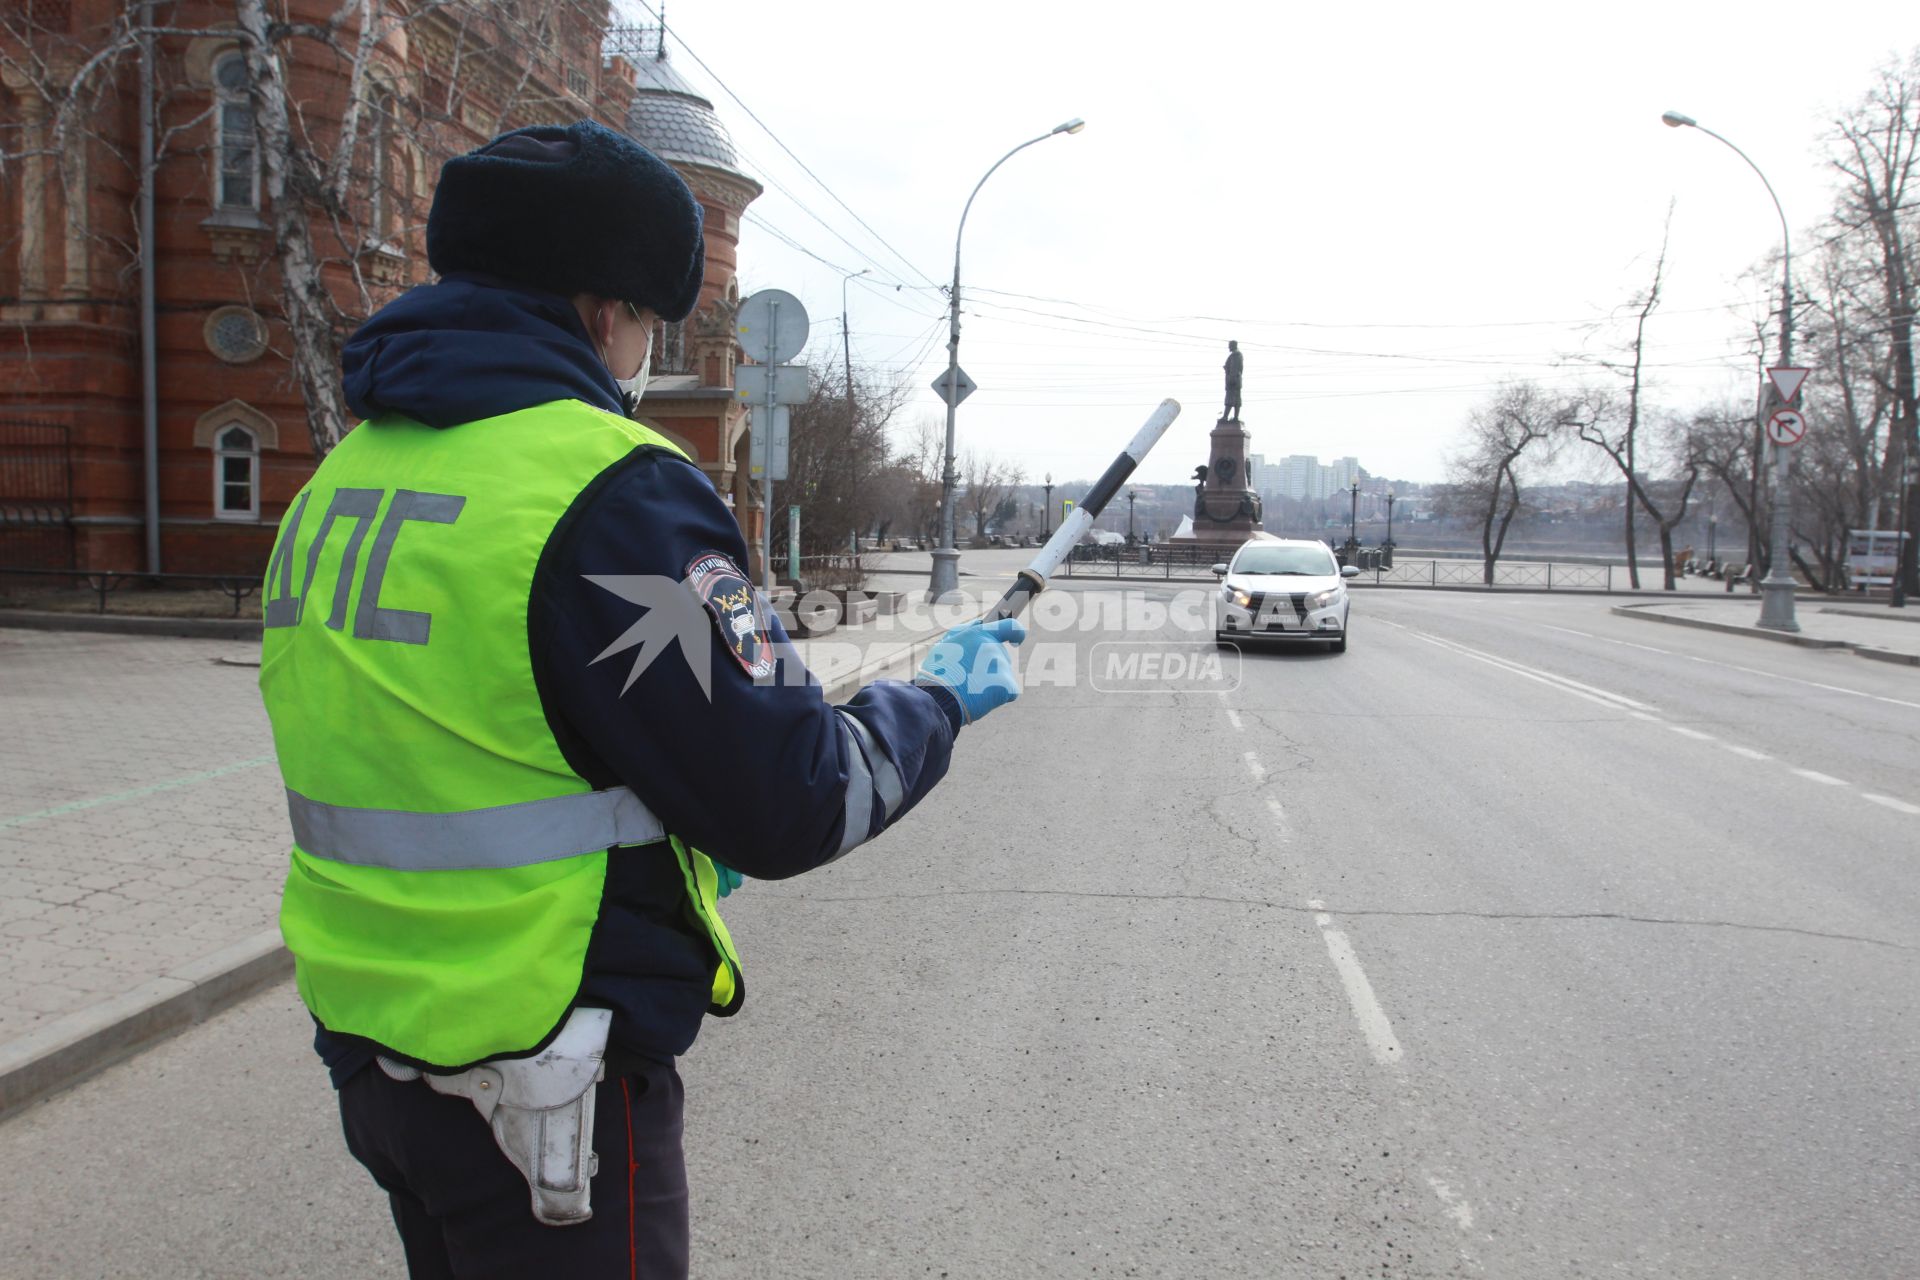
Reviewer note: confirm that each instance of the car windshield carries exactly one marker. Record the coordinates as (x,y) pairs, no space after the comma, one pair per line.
(1316,561)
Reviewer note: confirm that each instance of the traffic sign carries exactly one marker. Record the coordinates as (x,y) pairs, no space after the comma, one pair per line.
(772,325)
(1786,427)
(962,387)
(1786,382)
(789,383)
(771,432)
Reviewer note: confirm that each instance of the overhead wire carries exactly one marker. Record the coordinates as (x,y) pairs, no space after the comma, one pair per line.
(765,128)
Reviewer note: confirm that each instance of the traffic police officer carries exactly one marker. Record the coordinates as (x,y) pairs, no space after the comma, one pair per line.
(533,722)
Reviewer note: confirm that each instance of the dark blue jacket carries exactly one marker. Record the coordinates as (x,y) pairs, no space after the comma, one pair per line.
(764,776)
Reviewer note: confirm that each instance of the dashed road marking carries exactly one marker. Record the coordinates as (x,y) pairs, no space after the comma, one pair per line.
(1695,734)
(1366,1006)
(1459,1210)
(1254,766)
(1567,630)
(1746,752)
(1233,718)
(1824,779)
(1898,806)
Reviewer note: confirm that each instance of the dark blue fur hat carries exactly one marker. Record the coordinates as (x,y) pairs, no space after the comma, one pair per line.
(574,208)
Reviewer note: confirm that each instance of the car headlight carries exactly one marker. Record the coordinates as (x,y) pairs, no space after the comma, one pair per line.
(1238,595)
(1321,599)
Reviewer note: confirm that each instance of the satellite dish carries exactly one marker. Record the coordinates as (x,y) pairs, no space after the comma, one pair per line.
(773,326)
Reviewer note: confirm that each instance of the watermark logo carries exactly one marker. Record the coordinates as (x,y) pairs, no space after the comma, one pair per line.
(1159,666)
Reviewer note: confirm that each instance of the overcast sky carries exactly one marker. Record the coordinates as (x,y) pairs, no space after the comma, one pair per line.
(1391,206)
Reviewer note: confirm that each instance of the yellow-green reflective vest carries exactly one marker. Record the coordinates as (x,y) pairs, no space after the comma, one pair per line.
(447,862)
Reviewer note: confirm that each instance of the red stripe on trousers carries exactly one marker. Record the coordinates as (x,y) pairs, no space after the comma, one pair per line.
(633,1254)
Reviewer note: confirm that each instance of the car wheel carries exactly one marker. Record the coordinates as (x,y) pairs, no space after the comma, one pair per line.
(1340,645)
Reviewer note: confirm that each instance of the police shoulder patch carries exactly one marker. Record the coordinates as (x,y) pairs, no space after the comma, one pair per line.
(736,611)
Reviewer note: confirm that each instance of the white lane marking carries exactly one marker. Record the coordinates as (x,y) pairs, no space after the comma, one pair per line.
(1273,807)
(1254,766)
(1748,752)
(1323,919)
(1565,684)
(1695,734)
(1459,1210)
(1824,779)
(1314,904)
(1898,806)
(1233,718)
(1811,684)
(1366,1008)
(1567,631)
(1641,715)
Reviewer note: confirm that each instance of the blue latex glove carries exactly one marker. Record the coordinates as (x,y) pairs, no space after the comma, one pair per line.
(729,878)
(974,664)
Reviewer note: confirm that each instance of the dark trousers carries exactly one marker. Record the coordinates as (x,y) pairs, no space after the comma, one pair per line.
(464,1211)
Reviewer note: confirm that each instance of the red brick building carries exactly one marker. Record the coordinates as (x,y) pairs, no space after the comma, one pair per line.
(231,424)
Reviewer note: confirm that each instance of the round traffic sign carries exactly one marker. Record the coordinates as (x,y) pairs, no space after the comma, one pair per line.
(772,326)
(1786,426)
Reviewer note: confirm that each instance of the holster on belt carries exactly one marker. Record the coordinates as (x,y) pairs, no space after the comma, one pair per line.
(540,1109)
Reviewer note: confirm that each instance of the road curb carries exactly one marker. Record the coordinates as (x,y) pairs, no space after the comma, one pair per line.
(69,1049)
(132,624)
(1886,655)
(1879,615)
(1642,612)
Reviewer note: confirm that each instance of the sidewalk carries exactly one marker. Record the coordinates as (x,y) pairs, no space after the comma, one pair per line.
(143,832)
(1880,633)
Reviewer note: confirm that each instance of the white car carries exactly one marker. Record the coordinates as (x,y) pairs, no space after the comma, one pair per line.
(1284,589)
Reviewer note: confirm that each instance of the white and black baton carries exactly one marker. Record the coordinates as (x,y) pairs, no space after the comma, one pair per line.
(1032,580)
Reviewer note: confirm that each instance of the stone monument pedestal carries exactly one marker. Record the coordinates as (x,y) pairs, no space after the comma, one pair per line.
(1226,509)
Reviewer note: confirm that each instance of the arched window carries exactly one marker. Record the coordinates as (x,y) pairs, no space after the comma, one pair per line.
(383,174)
(236,183)
(236,474)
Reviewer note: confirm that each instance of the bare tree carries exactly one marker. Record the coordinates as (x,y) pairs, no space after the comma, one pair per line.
(1485,479)
(1615,427)
(988,480)
(838,447)
(1875,148)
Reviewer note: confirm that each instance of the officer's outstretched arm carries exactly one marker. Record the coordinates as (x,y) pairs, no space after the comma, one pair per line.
(658,672)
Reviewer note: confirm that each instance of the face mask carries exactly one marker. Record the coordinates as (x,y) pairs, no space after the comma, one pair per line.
(631,389)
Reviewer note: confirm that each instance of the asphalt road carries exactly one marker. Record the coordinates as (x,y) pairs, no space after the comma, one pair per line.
(1521,940)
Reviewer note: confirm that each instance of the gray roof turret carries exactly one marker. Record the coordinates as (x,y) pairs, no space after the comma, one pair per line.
(677,123)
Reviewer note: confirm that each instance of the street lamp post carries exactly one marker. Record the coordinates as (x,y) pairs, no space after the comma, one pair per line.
(944,582)
(1776,589)
(1389,520)
(1046,517)
(1353,523)
(846,343)
(1130,496)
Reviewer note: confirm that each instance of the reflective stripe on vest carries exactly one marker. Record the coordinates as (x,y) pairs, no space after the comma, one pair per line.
(507,835)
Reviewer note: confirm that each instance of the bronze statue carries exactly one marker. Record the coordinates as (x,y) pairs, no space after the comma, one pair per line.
(1235,362)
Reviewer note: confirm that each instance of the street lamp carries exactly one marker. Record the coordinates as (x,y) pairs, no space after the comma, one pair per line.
(1046,518)
(1389,520)
(846,343)
(1353,521)
(1776,589)
(1130,496)
(944,581)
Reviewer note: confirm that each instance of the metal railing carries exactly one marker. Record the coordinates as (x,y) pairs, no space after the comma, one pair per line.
(1159,560)
(104,582)
(1546,575)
